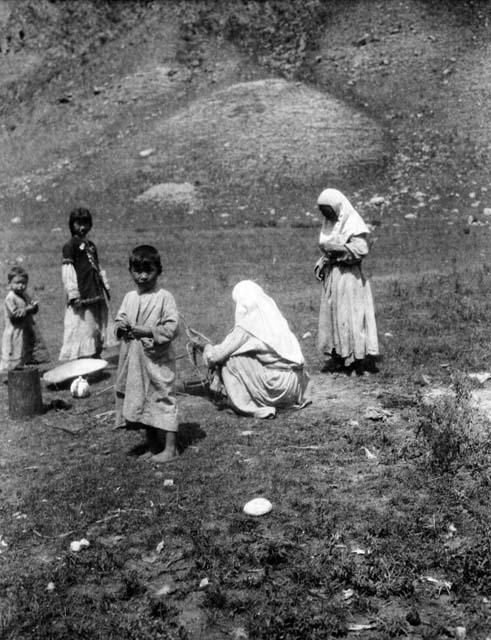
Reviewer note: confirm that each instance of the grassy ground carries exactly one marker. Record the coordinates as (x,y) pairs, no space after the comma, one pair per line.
(380,502)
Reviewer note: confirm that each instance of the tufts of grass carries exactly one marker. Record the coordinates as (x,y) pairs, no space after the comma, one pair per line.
(455,433)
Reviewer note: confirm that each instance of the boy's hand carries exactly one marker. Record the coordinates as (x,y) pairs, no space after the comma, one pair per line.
(124,330)
(139,331)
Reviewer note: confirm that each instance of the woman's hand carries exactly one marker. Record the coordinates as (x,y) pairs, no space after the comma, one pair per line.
(333,248)
(320,267)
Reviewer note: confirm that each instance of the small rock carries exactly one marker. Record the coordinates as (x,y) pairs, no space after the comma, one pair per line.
(377,413)
(378,200)
(50,586)
(480,377)
(204,583)
(410,216)
(168,482)
(164,590)
(306,335)
(369,454)
(77,545)
(358,551)
(361,42)
(146,152)
(486,211)
(258,507)
(460,633)
(348,593)
(16,220)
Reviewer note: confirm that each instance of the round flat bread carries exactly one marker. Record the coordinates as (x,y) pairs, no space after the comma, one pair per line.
(258,507)
(74,369)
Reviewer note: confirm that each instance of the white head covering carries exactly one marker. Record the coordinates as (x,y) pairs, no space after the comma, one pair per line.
(258,314)
(349,222)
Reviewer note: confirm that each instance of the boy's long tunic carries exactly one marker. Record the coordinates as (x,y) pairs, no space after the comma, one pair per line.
(146,371)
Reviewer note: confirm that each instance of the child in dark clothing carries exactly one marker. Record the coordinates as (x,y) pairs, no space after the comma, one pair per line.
(87,292)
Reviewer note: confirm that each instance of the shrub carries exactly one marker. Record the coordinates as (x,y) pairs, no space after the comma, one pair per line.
(455,432)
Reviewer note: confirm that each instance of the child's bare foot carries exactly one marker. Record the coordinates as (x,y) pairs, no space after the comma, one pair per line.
(145,456)
(168,454)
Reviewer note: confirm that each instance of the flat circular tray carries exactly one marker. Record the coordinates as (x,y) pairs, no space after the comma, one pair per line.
(73,369)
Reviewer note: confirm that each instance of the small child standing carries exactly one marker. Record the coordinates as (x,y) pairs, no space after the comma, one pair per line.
(87,292)
(147,323)
(22,343)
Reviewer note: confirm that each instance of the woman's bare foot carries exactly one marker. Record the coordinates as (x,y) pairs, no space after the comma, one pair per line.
(168,454)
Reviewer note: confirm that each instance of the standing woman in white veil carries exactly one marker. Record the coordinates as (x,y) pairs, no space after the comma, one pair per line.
(259,363)
(347,327)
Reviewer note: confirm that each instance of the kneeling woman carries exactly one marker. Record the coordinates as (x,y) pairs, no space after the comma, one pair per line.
(260,362)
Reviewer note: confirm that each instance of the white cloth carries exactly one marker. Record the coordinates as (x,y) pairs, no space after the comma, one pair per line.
(349,222)
(257,313)
(70,282)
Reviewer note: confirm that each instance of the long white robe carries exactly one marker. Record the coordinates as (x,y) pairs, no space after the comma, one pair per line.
(260,361)
(347,324)
(145,381)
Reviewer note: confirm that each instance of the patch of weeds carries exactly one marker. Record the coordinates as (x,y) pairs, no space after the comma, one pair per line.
(454,432)
(471,567)
(285,616)
(272,552)
(132,586)
(393,628)
(215,598)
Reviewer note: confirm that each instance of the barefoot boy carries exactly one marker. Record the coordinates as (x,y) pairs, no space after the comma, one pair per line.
(147,323)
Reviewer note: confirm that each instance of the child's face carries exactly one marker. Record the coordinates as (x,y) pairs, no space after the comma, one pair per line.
(81,228)
(18,284)
(144,277)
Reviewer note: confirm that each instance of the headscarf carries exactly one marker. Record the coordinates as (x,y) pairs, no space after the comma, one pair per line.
(349,222)
(257,313)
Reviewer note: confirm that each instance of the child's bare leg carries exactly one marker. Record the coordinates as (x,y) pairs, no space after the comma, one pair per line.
(170,452)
